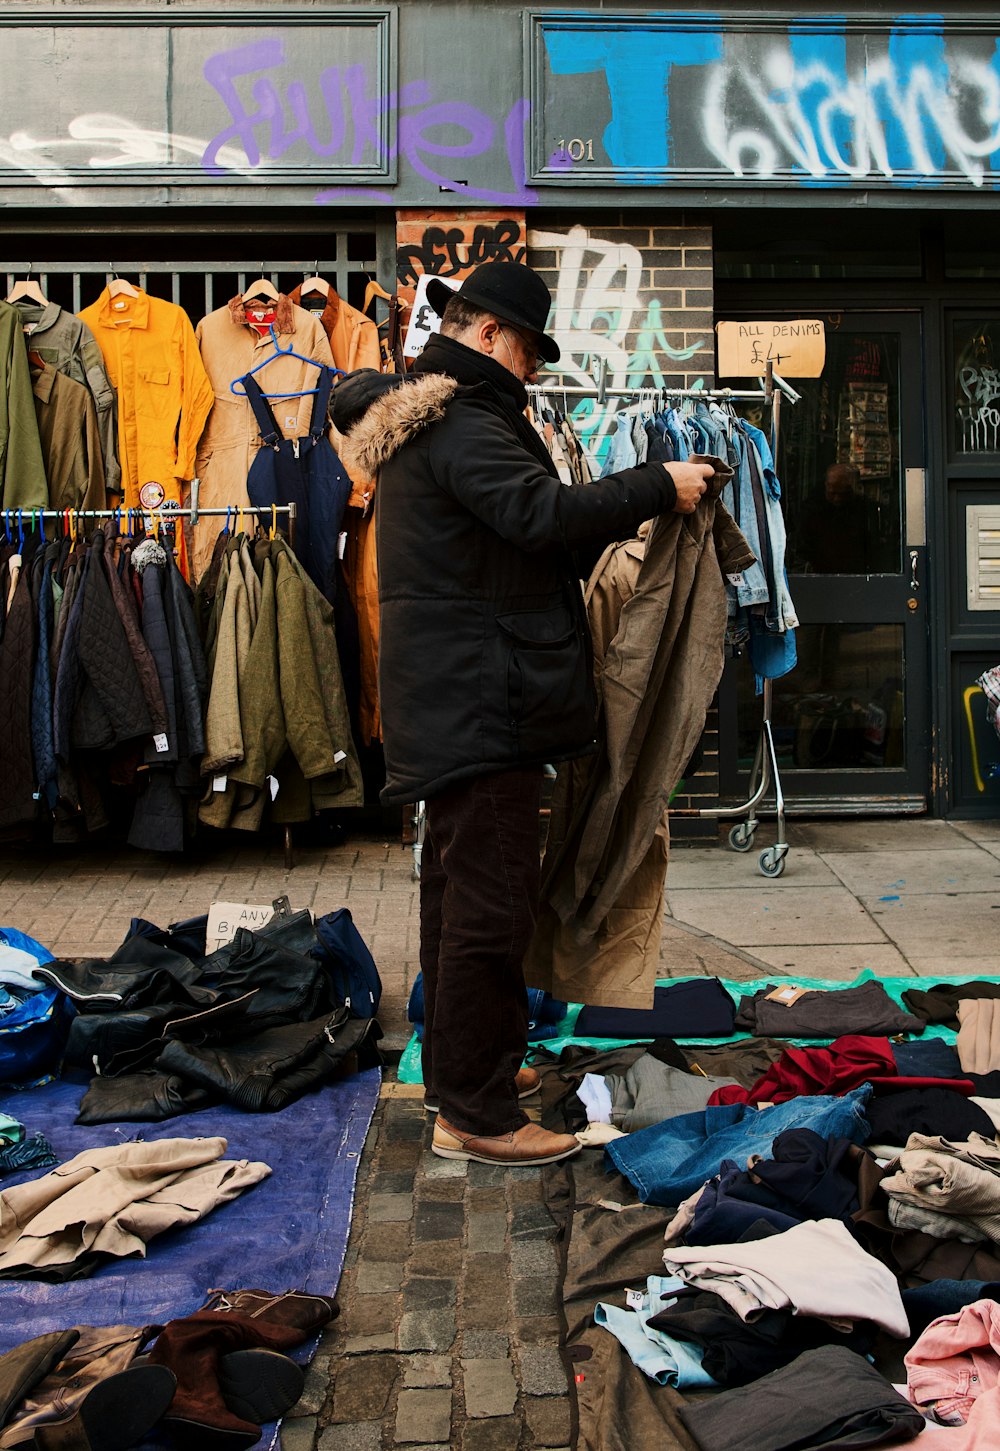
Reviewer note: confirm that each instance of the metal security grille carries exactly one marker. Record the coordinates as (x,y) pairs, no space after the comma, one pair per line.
(349,259)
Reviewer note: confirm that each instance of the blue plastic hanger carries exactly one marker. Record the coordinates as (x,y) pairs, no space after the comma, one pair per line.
(288,352)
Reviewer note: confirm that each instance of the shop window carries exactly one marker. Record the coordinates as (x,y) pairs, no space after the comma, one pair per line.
(840,708)
(975,386)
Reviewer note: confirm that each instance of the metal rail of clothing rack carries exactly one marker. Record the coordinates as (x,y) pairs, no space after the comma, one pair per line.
(764,773)
(164,514)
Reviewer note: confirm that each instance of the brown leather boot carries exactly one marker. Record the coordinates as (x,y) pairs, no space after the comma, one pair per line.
(193,1348)
(523,1147)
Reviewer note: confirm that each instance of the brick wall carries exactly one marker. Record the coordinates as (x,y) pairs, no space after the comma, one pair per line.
(639,300)
(452,243)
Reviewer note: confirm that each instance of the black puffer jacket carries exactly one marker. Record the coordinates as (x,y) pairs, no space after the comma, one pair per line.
(484,649)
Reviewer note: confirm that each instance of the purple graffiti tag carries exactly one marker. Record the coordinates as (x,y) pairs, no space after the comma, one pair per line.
(221,71)
(347,101)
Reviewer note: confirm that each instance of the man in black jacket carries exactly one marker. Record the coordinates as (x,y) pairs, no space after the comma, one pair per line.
(485,669)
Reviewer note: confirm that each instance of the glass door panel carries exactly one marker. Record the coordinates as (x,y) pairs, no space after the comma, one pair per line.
(850,719)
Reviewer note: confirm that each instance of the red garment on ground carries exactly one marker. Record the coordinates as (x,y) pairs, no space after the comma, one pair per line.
(848,1061)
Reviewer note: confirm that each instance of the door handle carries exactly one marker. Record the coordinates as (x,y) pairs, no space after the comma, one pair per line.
(914,582)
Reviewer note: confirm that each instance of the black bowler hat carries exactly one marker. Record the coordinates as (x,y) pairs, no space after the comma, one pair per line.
(510,291)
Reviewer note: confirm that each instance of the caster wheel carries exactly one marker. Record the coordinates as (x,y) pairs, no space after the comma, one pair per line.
(741,837)
(770,864)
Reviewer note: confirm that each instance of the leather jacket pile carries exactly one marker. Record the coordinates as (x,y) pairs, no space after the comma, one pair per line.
(255,1024)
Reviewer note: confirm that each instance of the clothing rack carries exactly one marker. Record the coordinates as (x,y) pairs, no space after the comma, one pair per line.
(764,773)
(167,516)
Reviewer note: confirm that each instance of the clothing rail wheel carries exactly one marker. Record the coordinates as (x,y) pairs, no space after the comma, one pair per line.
(771,862)
(741,836)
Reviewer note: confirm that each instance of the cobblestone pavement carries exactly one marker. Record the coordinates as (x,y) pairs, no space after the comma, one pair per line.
(449,1332)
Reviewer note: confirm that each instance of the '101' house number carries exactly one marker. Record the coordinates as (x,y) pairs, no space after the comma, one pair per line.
(577,149)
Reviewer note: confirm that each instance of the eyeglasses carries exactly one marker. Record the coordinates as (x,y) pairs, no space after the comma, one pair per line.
(534,348)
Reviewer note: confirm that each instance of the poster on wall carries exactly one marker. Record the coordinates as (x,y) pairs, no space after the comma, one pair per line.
(424,321)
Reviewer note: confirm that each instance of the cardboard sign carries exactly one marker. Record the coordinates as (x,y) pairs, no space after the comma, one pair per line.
(225,917)
(797,348)
(424,321)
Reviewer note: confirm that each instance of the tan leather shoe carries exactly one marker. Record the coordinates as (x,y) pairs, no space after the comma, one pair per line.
(528,1082)
(522,1147)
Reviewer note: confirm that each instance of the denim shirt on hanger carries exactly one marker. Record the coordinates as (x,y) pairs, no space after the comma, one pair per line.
(716,437)
(786,618)
(639,440)
(677,435)
(700,435)
(622,453)
(738,499)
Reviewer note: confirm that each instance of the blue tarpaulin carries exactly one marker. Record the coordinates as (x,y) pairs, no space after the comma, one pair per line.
(288,1232)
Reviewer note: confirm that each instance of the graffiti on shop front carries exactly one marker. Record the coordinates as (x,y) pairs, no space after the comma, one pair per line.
(450,252)
(599,305)
(356,122)
(907,112)
(979,416)
(916,106)
(98,140)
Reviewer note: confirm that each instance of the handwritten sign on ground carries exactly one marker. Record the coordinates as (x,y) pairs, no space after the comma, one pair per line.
(225,917)
(796,347)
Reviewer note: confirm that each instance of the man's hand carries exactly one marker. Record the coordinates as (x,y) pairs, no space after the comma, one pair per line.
(690,481)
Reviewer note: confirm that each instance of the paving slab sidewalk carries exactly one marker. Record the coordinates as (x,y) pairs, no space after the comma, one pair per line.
(449,1331)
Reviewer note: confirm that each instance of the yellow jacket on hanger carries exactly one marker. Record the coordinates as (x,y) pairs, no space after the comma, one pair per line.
(164,395)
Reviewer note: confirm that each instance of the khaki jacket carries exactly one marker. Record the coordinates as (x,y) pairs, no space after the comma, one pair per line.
(69,346)
(229,349)
(22,472)
(164,395)
(597,940)
(276,705)
(70,439)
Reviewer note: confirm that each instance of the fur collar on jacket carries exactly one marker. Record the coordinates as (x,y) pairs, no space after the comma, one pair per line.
(393,420)
(283,313)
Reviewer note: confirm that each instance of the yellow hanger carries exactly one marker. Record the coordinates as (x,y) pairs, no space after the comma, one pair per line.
(274,522)
(239,520)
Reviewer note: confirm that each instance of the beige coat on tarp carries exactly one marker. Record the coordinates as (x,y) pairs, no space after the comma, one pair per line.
(114,1200)
(229,349)
(658,617)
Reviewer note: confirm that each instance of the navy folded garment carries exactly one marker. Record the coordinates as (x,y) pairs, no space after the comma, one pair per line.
(698,1009)
(927,1058)
(943,1297)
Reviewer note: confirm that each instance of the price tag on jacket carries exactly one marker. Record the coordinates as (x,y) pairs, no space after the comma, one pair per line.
(160,742)
(786,995)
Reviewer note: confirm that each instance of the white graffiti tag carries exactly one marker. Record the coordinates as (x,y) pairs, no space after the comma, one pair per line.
(99,140)
(598,304)
(980,416)
(877,121)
